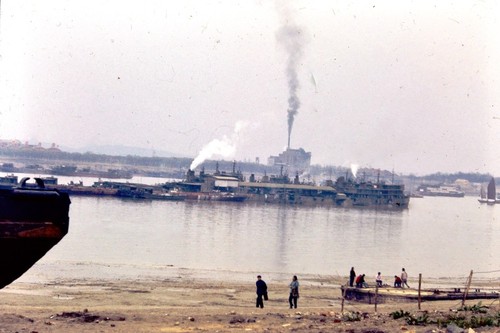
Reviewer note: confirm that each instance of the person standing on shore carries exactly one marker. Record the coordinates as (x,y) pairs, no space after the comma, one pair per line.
(352,276)
(294,292)
(404,279)
(261,291)
(378,279)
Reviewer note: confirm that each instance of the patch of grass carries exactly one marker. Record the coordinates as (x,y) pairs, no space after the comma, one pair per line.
(473,321)
(399,314)
(473,316)
(476,308)
(352,316)
(417,320)
(410,319)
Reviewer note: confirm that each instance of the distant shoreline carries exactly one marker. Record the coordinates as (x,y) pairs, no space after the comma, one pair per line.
(110,272)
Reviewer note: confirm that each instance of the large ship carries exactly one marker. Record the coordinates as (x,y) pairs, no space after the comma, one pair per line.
(283,190)
(32,220)
(440,191)
(372,194)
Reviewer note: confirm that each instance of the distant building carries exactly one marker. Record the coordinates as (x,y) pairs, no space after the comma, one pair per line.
(294,160)
(26,146)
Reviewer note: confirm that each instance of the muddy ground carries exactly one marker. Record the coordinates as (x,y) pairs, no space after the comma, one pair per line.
(202,305)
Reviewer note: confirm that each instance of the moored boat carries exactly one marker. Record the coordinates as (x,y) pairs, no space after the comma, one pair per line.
(8,181)
(490,197)
(441,191)
(385,294)
(282,190)
(373,194)
(32,220)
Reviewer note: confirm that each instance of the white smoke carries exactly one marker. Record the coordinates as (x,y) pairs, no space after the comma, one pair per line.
(354,169)
(224,148)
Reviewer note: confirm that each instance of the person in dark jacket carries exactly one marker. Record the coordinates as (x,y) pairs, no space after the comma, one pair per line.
(352,276)
(261,291)
(360,281)
(397,281)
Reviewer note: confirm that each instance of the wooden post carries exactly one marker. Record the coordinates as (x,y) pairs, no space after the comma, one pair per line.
(419,288)
(343,298)
(376,296)
(467,288)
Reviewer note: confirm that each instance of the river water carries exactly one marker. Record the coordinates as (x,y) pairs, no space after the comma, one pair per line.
(112,238)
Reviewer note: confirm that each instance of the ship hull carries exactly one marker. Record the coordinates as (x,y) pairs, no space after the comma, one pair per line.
(208,196)
(375,202)
(443,194)
(32,221)
(21,254)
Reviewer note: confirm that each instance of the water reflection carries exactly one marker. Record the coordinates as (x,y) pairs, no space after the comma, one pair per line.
(436,237)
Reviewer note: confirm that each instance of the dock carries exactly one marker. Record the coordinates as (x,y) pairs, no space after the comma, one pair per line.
(372,295)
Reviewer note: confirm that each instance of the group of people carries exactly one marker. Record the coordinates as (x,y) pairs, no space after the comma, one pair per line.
(263,296)
(399,282)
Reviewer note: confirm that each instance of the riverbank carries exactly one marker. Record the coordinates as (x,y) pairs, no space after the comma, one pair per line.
(188,304)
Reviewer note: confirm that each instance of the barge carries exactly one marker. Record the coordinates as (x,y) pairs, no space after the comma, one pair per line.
(385,294)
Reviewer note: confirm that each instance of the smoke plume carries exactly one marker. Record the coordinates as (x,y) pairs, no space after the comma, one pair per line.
(354,169)
(292,38)
(225,147)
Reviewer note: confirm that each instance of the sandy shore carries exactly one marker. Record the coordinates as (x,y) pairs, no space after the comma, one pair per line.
(187,304)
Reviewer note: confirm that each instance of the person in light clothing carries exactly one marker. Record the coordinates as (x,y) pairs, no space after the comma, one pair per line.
(294,292)
(378,279)
(404,279)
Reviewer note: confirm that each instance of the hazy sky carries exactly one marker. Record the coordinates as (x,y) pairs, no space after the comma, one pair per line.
(412,86)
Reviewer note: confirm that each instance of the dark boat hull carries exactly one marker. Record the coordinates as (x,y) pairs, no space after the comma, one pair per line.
(22,254)
(388,294)
(208,196)
(32,221)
